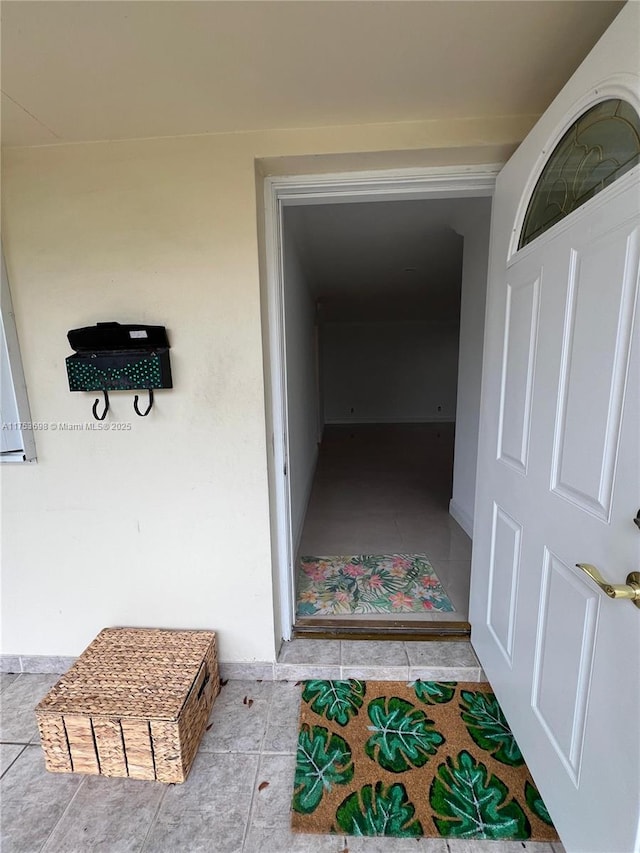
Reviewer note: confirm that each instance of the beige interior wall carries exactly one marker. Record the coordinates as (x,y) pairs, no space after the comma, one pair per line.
(166,523)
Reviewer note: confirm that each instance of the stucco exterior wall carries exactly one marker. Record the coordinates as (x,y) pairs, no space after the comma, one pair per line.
(165,523)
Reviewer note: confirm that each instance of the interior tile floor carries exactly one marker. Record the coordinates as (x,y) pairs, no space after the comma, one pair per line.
(222,808)
(385,489)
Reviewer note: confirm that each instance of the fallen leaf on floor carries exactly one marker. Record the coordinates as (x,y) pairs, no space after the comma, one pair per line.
(223,681)
(264,785)
(248,702)
(208,727)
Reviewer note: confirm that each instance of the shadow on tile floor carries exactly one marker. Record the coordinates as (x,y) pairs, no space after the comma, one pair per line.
(222,808)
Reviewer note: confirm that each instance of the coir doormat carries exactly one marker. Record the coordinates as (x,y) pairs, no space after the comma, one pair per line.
(369,583)
(409,760)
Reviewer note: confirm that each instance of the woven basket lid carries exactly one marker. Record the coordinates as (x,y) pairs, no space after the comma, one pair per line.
(143,673)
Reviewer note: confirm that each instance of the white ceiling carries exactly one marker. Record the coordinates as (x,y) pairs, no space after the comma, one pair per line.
(79,71)
(399,260)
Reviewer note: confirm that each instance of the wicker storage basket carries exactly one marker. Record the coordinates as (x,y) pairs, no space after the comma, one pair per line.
(135,704)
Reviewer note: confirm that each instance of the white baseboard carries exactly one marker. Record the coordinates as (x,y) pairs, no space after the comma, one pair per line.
(54,664)
(257,670)
(57,665)
(356,420)
(463,518)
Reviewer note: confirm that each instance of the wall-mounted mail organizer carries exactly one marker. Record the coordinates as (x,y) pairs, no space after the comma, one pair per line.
(114,357)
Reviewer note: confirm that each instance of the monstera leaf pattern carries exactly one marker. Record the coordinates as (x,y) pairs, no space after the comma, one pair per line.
(324,760)
(409,759)
(335,700)
(379,811)
(402,735)
(469,803)
(536,804)
(488,726)
(435,692)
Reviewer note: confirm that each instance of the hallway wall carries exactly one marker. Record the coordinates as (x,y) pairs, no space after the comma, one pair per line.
(473,223)
(302,390)
(389,372)
(401,287)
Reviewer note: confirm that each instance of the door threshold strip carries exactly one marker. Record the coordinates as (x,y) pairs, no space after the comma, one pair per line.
(336,629)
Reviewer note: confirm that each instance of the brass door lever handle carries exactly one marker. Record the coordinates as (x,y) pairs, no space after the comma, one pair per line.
(630,589)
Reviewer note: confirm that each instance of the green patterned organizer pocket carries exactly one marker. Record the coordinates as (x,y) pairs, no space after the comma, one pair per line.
(117,372)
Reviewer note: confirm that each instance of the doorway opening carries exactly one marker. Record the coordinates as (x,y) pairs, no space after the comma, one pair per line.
(378,351)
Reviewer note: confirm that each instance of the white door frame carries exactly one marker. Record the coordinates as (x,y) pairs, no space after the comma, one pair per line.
(397,185)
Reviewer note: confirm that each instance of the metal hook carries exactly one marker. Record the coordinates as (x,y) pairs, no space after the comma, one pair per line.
(148,409)
(106,408)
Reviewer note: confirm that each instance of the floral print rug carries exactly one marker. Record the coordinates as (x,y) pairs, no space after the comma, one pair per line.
(387,583)
(434,759)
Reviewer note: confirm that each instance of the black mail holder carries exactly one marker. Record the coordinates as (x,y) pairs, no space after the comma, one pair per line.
(115,357)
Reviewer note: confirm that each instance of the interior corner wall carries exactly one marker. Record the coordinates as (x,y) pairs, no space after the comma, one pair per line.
(389,372)
(302,391)
(474,224)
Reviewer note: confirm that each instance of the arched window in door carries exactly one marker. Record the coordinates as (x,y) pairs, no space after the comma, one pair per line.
(598,148)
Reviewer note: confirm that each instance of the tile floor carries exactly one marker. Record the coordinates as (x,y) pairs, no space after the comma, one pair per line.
(378,661)
(220,809)
(385,489)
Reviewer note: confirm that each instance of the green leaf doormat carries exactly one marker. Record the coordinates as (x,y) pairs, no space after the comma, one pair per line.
(408,760)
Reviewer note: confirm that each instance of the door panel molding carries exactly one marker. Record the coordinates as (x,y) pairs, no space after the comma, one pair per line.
(518,370)
(564,724)
(504,571)
(586,439)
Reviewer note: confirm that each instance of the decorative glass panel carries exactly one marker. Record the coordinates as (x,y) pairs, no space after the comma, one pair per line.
(598,148)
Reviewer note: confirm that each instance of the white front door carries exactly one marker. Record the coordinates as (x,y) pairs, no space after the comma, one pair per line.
(559,477)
